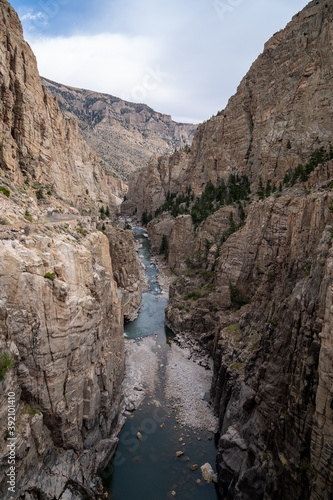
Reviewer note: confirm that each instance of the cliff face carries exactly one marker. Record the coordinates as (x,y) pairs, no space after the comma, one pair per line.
(280,113)
(124,134)
(62,326)
(37,143)
(126,271)
(254,265)
(271,369)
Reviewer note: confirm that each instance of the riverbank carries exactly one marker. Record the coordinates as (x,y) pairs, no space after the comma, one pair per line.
(168,425)
(188,373)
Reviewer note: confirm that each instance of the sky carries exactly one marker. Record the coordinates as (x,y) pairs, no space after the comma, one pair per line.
(184,58)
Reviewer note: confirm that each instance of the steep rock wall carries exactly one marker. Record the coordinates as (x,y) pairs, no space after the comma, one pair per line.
(126,270)
(280,113)
(37,142)
(265,313)
(64,334)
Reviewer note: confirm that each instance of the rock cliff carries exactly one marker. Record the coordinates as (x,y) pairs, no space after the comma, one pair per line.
(38,144)
(247,216)
(126,270)
(279,115)
(124,134)
(62,327)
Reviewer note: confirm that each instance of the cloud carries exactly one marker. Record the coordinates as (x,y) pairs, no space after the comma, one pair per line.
(127,66)
(183,58)
(32,17)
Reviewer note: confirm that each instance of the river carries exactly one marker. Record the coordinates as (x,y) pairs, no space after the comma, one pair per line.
(148,468)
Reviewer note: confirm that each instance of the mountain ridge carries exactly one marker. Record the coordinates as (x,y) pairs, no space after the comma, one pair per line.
(124,134)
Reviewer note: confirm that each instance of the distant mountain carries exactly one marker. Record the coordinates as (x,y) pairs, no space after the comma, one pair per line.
(124,134)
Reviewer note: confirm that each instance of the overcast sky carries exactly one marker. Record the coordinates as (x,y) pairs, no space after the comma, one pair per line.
(181,57)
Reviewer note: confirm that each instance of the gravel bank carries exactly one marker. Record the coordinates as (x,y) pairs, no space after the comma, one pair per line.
(188,385)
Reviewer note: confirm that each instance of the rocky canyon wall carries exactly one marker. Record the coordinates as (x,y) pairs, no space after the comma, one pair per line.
(279,115)
(254,273)
(64,291)
(62,327)
(37,143)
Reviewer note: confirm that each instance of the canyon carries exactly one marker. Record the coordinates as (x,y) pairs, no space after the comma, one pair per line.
(244,220)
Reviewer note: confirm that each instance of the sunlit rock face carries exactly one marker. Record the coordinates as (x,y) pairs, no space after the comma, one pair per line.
(37,142)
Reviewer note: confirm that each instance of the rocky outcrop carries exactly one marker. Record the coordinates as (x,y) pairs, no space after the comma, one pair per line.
(126,270)
(124,134)
(267,356)
(38,144)
(62,327)
(279,115)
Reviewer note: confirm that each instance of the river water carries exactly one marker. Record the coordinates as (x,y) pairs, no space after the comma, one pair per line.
(148,468)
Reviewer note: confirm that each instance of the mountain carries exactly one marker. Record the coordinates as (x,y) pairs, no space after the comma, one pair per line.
(124,134)
(278,117)
(38,144)
(245,220)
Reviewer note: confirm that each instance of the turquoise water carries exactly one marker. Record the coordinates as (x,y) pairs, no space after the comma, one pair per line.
(148,469)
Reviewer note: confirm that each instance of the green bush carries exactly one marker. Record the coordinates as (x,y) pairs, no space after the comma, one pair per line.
(5,364)
(28,216)
(81,231)
(50,276)
(5,191)
(39,194)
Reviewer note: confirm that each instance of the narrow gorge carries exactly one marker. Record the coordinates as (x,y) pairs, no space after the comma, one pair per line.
(179,344)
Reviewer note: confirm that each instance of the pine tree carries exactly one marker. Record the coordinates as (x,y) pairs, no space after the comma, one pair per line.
(164,248)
